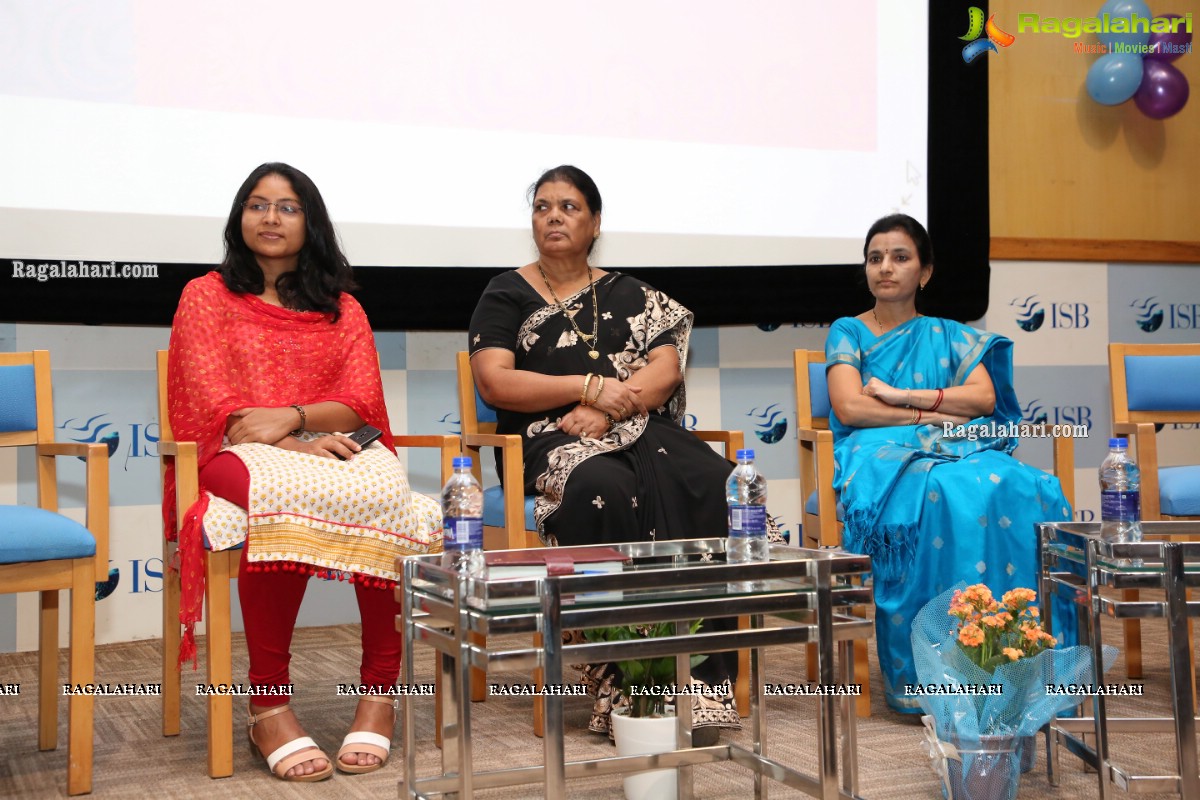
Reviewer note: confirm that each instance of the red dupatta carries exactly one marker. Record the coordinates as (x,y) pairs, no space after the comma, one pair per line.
(230,351)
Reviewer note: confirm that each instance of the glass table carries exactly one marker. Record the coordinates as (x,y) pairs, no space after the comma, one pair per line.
(1076,559)
(798,596)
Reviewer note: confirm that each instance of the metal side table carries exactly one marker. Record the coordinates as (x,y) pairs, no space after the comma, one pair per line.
(1076,558)
(669,581)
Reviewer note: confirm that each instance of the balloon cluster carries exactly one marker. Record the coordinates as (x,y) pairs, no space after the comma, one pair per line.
(1138,64)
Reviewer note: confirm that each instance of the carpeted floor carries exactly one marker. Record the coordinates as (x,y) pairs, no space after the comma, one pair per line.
(133,758)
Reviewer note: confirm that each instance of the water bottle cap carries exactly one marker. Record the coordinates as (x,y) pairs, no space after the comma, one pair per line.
(1121,443)
(462,461)
(742,455)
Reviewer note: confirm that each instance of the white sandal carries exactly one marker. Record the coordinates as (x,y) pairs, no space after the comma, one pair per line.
(295,752)
(373,744)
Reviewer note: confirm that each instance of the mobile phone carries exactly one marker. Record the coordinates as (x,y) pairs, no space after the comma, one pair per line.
(365,435)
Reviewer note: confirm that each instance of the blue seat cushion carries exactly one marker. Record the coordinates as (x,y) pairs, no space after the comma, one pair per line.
(1179,490)
(493,508)
(810,507)
(34,534)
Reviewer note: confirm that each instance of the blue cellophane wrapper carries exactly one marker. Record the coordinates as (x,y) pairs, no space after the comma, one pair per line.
(972,721)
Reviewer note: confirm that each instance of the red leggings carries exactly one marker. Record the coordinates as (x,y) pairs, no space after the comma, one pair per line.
(271,602)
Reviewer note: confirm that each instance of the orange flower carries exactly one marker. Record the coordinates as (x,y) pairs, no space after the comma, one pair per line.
(1013,653)
(971,636)
(993,621)
(1019,596)
(1033,611)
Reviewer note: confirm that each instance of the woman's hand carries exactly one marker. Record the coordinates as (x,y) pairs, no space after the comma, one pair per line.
(887,394)
(620,400)
(584,421)
(333,445)
(266,425)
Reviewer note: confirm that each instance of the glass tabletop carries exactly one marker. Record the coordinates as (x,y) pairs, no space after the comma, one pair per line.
(1070,540)
(654,572)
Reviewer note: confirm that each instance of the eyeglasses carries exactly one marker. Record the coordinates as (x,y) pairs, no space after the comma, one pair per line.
(260,207)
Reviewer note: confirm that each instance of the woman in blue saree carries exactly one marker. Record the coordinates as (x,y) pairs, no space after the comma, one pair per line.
(931,505)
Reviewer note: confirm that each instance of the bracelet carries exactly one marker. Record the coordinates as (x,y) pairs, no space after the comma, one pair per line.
(918,416)
(912,417)
(599,389)
(938,402)
(586,383)
(303,420)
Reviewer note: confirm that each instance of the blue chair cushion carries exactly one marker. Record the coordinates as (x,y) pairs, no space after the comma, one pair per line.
(34,534)
(1163,383)
(18,399)
(493,508)
(810,507)
(1179,490)
(818,390)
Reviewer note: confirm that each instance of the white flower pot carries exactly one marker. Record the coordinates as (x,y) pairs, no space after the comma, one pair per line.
(641,736)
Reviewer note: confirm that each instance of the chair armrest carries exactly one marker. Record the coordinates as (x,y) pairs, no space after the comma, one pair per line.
(450,446)
(96,487)
(814,435)
(1064,466)
(733,440)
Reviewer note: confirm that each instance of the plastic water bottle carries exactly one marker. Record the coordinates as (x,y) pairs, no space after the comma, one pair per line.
(462,521)
(1120,495)
(746,495)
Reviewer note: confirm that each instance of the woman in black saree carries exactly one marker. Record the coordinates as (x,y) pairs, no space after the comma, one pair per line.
(587,365)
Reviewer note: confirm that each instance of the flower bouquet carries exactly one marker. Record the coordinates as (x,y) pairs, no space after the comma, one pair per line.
(984,666)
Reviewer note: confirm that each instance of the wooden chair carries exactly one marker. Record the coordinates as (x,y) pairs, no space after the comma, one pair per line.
(508,513)
(1151,385)
(42,551)
(822,515)
(220,567)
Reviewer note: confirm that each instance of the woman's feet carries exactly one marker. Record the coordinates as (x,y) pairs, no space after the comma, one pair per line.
(291,755)
(366,746)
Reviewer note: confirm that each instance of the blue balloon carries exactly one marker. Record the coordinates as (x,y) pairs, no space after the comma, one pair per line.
(1114,78)
(1126,10)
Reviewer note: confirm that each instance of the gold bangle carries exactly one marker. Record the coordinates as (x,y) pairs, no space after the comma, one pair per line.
(586,383)
(599,389)
(912,418)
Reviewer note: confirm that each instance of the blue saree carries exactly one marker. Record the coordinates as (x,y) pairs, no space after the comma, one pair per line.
(933,510)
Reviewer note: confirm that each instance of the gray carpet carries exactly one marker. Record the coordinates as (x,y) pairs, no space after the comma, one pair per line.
(133,759)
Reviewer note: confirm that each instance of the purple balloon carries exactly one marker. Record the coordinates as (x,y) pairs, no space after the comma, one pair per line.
(1168,46)
(1163,92)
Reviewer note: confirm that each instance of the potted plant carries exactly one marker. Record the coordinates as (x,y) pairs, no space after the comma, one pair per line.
(644,726)
(982,683)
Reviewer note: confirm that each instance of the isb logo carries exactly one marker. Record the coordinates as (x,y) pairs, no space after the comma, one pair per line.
(1177,316)
(142,436)
(771,425)
(1037,413)
(1031,315)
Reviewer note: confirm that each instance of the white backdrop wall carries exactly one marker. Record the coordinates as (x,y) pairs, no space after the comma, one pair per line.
(1060,315)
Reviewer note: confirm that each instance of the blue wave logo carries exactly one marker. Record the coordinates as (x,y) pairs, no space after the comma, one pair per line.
(1150,316)
(93,431)
(1033,413)
(773,425)
(1030,314)
(452,422)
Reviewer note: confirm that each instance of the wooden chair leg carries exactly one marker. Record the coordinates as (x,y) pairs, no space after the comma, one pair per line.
(862,676)
(80,708)
(171,678)
(1133,639)
(810,662)
(478,676)
(539,704)
(219,660)
(48,670)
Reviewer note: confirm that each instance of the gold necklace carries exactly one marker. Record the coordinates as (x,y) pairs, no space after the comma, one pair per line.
(589,340)
(880,324)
